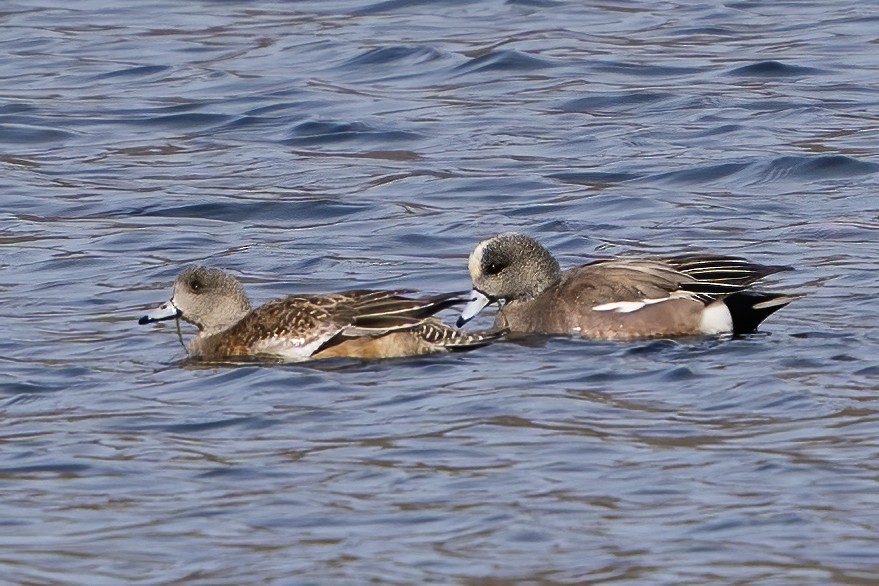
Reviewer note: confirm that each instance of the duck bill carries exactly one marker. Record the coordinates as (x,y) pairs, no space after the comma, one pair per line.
(165,311)
(478,301)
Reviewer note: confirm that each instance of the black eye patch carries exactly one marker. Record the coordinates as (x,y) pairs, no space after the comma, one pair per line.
(493,268)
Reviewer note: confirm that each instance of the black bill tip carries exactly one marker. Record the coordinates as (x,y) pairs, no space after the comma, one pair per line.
(166,311)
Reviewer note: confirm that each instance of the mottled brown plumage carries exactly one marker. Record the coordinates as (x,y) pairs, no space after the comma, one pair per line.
(356,324)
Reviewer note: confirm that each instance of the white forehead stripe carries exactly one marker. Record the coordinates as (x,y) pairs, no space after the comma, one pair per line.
(475,262)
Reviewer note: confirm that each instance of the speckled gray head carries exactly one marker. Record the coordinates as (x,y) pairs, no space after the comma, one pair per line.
(210,299)
(505,268)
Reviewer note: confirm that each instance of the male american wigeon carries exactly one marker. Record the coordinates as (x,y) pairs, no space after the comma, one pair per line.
(619,299)
(355,324)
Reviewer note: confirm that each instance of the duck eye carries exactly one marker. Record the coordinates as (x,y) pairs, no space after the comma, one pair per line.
(493,268)
(195,285)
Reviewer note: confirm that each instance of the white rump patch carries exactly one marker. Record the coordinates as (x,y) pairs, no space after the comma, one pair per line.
(716,319)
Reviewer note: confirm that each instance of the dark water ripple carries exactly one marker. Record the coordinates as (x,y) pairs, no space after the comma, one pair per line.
(319,146)
(774,69)
(502,62)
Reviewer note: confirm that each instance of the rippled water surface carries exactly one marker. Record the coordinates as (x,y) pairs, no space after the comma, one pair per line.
(315,146)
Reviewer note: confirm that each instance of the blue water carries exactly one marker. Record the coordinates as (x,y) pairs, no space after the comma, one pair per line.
(314,146)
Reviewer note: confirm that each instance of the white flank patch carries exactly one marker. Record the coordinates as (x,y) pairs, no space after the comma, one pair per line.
(288,348)
(716,319)
(629,306)
(620,306)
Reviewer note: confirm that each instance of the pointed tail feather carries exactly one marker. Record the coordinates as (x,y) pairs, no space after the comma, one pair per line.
(748,308)
(475,340)
(454,340)
(717,276)
(396,313)
(404,306)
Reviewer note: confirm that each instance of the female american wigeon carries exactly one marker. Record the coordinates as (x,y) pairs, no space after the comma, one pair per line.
(620,299)
(355,324)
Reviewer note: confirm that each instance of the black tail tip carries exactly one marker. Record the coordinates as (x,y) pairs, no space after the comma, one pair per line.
(748,309)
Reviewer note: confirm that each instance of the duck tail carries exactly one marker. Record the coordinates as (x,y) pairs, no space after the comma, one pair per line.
(440,335)
(472,340)
(749,308)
